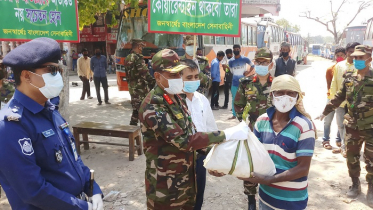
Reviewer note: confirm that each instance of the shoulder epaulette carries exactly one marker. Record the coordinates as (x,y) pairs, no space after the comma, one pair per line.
(12,112)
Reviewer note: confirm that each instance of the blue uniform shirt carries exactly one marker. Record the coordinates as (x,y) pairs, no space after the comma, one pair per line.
(99,66)
(30,173)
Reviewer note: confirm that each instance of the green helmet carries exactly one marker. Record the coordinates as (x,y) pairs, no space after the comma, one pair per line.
(264,53)
(167,60)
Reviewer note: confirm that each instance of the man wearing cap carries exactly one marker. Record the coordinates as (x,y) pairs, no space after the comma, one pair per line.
(85,74)
(252,100)
(203,65)
(140,82)
(285,64)
(357,89)
(39,165)
(6,88)
(170,138)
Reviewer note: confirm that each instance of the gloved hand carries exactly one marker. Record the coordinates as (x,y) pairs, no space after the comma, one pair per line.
(320,117)
(89,206)
(97,203)
(238,132)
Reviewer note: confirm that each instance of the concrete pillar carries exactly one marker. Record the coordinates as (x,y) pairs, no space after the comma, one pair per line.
(5,47)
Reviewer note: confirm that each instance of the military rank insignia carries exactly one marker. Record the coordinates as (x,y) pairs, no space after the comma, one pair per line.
(168,99)
(179,116)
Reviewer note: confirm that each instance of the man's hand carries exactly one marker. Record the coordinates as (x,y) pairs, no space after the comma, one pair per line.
(256,178)
(215,173)
(97,203)
(246,73)
(320,117)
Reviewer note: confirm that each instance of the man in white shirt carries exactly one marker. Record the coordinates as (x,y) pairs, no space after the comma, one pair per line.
(202,118)
(85,74)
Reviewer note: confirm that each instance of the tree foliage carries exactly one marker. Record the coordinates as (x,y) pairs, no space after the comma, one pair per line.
(331,22)
(287,25)
(88,9)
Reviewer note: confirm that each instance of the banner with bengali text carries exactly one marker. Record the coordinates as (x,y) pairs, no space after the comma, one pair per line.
(196,17)
(23,20)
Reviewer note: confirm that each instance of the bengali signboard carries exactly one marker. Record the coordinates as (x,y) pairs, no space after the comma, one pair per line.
(23,20)
(197,17)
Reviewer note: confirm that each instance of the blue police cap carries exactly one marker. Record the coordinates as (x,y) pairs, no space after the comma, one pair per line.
(33,54)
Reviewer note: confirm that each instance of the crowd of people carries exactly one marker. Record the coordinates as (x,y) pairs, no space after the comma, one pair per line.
(177,123)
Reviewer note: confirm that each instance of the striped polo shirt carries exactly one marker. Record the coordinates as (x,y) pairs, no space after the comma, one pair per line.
(295,140)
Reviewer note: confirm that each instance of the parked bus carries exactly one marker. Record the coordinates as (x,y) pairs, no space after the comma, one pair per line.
(270,35)
(368,39)
(248,41)
(316,49)
(298,51)
(353,34)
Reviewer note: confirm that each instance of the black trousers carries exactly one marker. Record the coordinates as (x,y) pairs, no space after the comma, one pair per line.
(227,89)
(215,94)
(86,87)
(103,81)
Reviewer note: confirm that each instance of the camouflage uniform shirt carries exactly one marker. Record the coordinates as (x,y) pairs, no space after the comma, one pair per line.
(169,147)
(140,82)
(254,96)
(6,91)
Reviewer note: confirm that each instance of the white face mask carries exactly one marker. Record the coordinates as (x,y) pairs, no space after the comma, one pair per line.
(175,86)
(284,103)
(189,50)
(53,85)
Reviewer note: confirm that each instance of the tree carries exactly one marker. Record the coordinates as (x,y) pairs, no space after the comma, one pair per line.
(88,9)
(287,25)
(331,22)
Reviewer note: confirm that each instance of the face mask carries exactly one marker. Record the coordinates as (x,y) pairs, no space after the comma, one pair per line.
(285,54)
(262,70)
(191,86)
(189,50)
(359,64)
(236,53)
(175,86)
(284,103)
(339,59)
(85,55)
(98,53)
(53,85)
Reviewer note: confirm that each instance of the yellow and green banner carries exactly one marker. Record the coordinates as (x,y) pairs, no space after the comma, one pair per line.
(196,17)
(23,20)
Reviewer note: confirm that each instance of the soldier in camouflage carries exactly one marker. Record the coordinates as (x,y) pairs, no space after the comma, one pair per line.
(6,88)
(140,82)
(357,89)
(252,100)
(203,64)
(170,139)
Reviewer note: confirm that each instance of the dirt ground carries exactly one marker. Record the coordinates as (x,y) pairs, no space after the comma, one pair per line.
(328,177)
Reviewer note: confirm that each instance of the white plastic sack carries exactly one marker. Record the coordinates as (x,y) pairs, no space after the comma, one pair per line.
(232,158)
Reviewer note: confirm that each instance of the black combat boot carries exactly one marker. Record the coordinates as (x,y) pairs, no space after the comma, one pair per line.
(252,202)
(370,195)
(355,189)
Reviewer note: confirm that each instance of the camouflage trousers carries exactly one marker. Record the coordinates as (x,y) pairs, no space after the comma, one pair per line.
(152,205)
(354,141)
(250,188)
(136,100)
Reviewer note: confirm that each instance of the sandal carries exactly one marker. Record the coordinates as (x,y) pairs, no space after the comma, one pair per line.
(326,145)
(336,151)
(338,143)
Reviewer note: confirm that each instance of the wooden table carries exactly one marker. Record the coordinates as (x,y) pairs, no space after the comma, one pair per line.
(114,130)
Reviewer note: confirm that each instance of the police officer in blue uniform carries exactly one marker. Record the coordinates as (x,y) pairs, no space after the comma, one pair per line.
(39,165)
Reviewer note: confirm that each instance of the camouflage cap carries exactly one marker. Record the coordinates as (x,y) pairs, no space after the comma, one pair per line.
(189,40)
(137,41)
(264,53)
(362,50)
(167,60)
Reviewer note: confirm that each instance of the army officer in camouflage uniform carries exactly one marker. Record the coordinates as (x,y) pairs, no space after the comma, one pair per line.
(140,82)
(357,89)
(170,138)
(252,100)
(6,88)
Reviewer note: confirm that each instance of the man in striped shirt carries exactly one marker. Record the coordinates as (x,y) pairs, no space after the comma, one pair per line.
(288,134)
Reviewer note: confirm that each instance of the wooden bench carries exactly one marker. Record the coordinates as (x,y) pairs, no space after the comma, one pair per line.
(100,129)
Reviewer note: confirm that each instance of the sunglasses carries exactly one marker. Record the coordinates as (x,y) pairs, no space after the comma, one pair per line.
(51,69)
